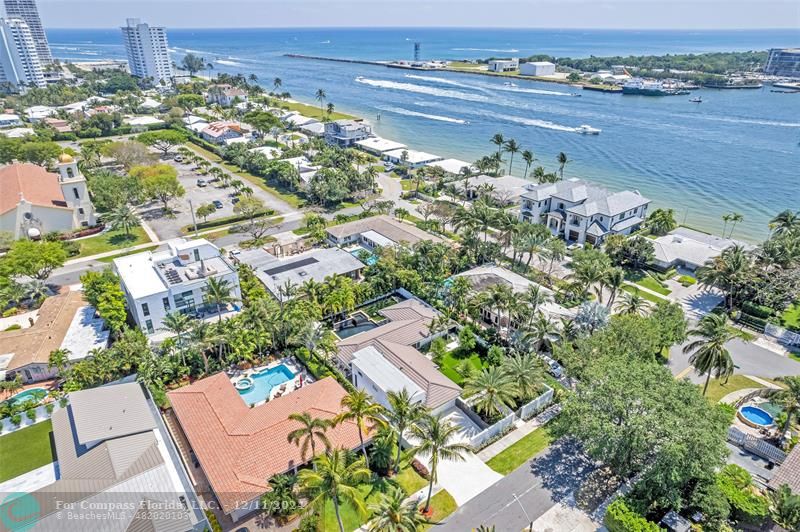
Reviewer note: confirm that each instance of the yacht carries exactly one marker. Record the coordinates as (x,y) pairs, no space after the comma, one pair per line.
(696,99)
(587,130)
(644,87)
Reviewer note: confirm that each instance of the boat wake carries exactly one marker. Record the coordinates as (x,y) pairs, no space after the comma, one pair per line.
(543,92)
(438,118)
(421,89)
(444,81)
(537,123)
(753,121)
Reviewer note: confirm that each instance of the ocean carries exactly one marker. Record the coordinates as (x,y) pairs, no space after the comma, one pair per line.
(738,151)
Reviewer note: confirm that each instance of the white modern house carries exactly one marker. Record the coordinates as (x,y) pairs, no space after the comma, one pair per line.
(537,68)
(37,113)
(20,65)
(9,120)
(345,133)
(34,201)
(503,65)
(582,212)
(410,158)
(378,146)
(175,280)
(148,51)
(225,95)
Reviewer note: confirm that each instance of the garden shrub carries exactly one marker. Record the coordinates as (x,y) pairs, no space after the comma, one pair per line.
(50,407)
(759,311)
(620,518)
(687,280)
(13,327)
(746,503)
(10,312)
(212,520)
(31,414)
(16,419)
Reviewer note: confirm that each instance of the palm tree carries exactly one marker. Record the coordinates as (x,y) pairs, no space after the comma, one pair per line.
(498,141)
(788,398)
(493,388)
(311,430)
(511,147)
(361,410)
(555,250)
(403,412)
(392,513)
(276,84)
(58,359)
(726,218)
(401,213)
(632,303)
(708,352)
(613,280)
(527,156)
(123,217)
(562,162)
(330,108)
(735,219)
(333,479)
(728,271)
(219,293)
(785,222)
(178,324)
(525,371)
(320,97)
(436,437)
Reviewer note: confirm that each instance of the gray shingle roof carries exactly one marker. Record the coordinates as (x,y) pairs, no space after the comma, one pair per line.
(594,199)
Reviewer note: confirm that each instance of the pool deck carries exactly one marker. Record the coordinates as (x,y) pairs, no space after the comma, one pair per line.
(301,377)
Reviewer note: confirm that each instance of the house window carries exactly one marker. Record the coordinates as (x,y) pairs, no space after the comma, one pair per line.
(75,191)
(196,254)
(166,304)
(149,326)
(80,210)
(560,205)
(145,309)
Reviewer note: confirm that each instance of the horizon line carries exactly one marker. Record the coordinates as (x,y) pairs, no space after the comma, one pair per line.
(517,28)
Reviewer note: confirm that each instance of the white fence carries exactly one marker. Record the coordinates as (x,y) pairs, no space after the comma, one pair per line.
(756,446)
(488,432)
(781,335)
(7,426)
(532,408)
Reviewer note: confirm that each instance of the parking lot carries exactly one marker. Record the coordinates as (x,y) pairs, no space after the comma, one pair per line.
(170,227)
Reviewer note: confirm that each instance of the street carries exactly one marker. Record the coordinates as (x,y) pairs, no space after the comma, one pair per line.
(748,358)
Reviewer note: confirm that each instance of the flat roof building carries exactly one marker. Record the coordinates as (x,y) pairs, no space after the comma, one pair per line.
(378,145)
(503,65)
(345,133)
(410,158)
(537,68)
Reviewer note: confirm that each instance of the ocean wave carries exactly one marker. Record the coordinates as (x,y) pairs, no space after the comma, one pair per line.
(438,118)
(192,51)
(421,89)
(508,51)
(227,62)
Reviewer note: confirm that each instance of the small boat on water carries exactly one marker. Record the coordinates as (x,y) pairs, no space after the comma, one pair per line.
(584,129)
(696,99)
(510,84)
(575,95)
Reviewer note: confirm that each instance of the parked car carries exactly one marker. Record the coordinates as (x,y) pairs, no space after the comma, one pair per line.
(217,203)
(202,183)
(179,158)
(235,200)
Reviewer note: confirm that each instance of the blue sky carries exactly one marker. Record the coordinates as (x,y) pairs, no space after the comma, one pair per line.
(630,14)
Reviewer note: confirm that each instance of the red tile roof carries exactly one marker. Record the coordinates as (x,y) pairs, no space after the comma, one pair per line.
(241,448)
(37,186)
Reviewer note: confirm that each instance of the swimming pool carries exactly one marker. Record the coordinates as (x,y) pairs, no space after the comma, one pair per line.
(36,394)
(754,416)
(355,324)
(264,382)
(364,256)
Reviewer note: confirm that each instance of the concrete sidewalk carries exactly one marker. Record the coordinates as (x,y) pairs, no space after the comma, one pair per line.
(523,429)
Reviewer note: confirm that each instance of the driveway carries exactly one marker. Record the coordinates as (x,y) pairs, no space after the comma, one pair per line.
(391,189)
(748,359)
(540,491)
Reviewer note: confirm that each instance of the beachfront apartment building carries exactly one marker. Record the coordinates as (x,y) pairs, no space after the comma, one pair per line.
(156,284)
(783,62)
(503,65)
(345,133)
(147,50)
(27,11)
(20,66)
(582,212)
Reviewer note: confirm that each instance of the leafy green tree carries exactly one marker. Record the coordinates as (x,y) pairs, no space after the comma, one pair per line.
(189,101)
(193,63)
(708,352)
(661,221)
(163,140)
(110,190)
(205,210)
(436,442)
(788,397)
(33,259)
(159,182)
(392,513)
(670,321)
(280,499)
(128,153)
(785,508)
(333,479)
(41,153)
(366,414)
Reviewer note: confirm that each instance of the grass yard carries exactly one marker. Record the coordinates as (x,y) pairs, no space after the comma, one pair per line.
(443,505)
(126,253)
(450,362)
(110,241)
(643,279)
(522,451)
(645,295)
(791,317)
(312,111)
(25,449)
(717,389)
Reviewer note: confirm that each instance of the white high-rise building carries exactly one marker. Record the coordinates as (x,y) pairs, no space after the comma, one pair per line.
(19,62)
(27,11)
(146,46)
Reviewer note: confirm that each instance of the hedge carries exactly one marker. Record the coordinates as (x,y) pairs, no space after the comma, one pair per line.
(620,518)
(737,486)
(759,311)
(752,321)
(227,220)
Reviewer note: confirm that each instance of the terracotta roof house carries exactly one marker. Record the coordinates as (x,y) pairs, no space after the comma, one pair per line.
(34,201)
(61,126)
(378,231)
(386,358)
(118,470)
(219,132)
(240,448)
(65,321)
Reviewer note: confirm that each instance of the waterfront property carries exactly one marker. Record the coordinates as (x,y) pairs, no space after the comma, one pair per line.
(65,322)
(239,448)
(345,133)
(378,231)
(297,120)
(223,131)
(537,68)
(386,357)
(410,158)
(225,95)
(175,280)
(452,166)
(503,65)
(378,146)
(687,248)
(482,277)
(507,189)
(34,201)
(582,212)
(147,50)
(312,265)
(114,458)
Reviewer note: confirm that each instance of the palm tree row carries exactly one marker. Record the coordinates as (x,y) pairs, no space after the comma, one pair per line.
(492,163)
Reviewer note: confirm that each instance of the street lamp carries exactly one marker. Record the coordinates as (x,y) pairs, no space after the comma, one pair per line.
(530,529)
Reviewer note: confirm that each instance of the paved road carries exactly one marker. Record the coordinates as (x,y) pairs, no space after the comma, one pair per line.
(749,359)
(538,485)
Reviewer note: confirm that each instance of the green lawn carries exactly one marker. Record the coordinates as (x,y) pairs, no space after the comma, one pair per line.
(642,279)
(791,317)
(645,295)
(443,505)
(717,389)
(450,362)
(126,253)
(111,241)
(25,449)
(522,451)
(312,111)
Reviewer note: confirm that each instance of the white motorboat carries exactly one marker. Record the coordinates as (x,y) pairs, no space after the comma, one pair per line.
(510,84)
(587,130)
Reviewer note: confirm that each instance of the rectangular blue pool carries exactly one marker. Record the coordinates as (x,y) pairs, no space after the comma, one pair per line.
(359,254)
(264,382)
